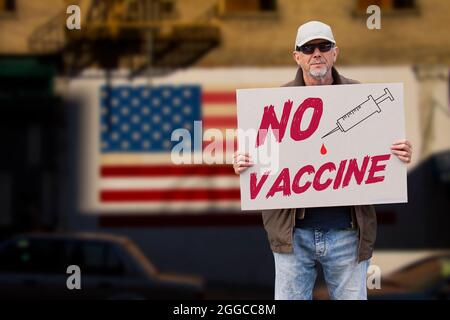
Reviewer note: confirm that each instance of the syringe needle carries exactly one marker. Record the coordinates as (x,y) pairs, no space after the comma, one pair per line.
(334,130)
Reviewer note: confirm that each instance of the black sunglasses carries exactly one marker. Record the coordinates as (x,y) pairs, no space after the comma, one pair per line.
(310,48)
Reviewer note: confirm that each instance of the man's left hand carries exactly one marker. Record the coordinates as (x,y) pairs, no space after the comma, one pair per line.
(403,150)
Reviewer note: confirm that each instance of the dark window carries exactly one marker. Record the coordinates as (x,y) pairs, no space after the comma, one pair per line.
(167,7)
(93,258)
(7,5)
(403,4)
(236,6)
(388,5)
(113,263)
(34,256)
(96,258)
(268,5)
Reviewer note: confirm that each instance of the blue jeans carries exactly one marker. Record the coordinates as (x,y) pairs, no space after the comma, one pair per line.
(336,250)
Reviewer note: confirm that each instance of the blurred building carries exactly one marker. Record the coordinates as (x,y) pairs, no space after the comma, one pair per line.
(232,39)
(227,33)
(412,31)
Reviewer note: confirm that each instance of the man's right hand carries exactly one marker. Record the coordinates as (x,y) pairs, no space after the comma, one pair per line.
(241,161)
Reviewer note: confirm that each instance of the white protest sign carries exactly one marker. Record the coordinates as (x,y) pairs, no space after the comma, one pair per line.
(321,146)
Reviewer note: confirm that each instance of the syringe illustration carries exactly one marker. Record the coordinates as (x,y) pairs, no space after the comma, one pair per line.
(360,113)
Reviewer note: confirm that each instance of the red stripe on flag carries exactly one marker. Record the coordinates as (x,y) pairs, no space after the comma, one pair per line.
(219,122)
(219,97)
(161,195)
(166,170)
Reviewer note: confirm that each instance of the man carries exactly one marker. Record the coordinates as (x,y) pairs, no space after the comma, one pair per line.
(341,239)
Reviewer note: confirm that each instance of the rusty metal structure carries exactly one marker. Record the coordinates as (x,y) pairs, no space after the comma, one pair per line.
(134,34)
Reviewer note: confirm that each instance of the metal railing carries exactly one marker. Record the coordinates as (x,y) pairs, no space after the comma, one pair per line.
(114,19)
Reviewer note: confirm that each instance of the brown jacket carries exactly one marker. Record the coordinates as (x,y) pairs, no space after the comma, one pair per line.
(280,223)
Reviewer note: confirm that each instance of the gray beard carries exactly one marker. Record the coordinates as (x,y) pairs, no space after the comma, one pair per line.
(318,74)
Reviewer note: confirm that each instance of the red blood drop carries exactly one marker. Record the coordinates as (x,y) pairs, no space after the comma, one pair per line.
(323,150)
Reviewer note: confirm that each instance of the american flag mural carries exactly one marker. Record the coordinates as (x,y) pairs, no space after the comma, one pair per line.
(125,136)
(135,163)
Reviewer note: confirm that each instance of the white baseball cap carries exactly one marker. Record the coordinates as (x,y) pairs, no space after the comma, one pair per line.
(313,30)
